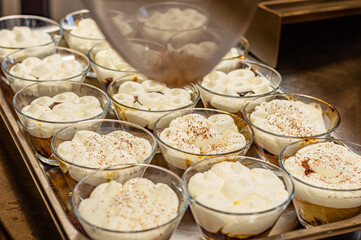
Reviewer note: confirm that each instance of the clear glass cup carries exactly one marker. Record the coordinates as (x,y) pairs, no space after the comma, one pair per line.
(317,205)
(158,34)
(40,132)
(106,75)
(154,173)
(269,145)
(79,43)
(35,23)
(144,118)
(16,83)
(72,170)
(178,160)
(235,103)
(216,224)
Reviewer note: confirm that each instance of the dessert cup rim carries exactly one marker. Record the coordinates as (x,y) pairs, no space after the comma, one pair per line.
(204,155)
(179,214)
(238,158)
(152,111)
(63,20)
(171,3)
(74,52)
(249,96)
(292,95)
(316,141)
(45,19)
(105,110)
(150,157)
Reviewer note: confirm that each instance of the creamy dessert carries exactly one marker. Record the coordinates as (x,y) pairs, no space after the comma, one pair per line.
(22,37)
(229,188)
(283,122)
(230,61)
(92,150)
(137,205)
(144,101)
(191,137)
(53,67)
(110,66)
(327,184)
(84,36)
(232,90)
(160,26)
(49,115)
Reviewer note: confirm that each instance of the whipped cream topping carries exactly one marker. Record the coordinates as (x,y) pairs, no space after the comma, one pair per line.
(63,107)
(110,59)
(236,83)
(176,19)
(161,26)
(136,205)
(194,133)
(22,37)
(87,28)
(151,96)
(85,35)
(90,149)
(289,118)
(327,165)
(234,188)
(53,67)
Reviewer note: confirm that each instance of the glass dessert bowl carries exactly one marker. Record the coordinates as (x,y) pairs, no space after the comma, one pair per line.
(156,197)
(86,147)
(44,64)
(22,31)
(237,197)
(326,175)
(187,136)
(234,82)
(45,108)
(281,119)
(108,65)
(80,31)
(142,101)
(160,21)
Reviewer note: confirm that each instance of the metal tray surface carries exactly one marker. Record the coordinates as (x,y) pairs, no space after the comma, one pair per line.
(56,195)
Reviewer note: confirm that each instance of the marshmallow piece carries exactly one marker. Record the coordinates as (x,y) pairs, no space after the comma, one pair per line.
(204,182)
(131,88)
(241,75)
(124,98)
(66,108)
(43,101)
(68,150)
(178,102)
(229,170)
(66,97)
(177,92)
(172,136)
(87,102)
(222,122)
(36,110)
(151,100)
(153,86)
(216,201)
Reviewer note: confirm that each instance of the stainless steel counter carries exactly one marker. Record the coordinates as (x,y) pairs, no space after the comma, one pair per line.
(322,59)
